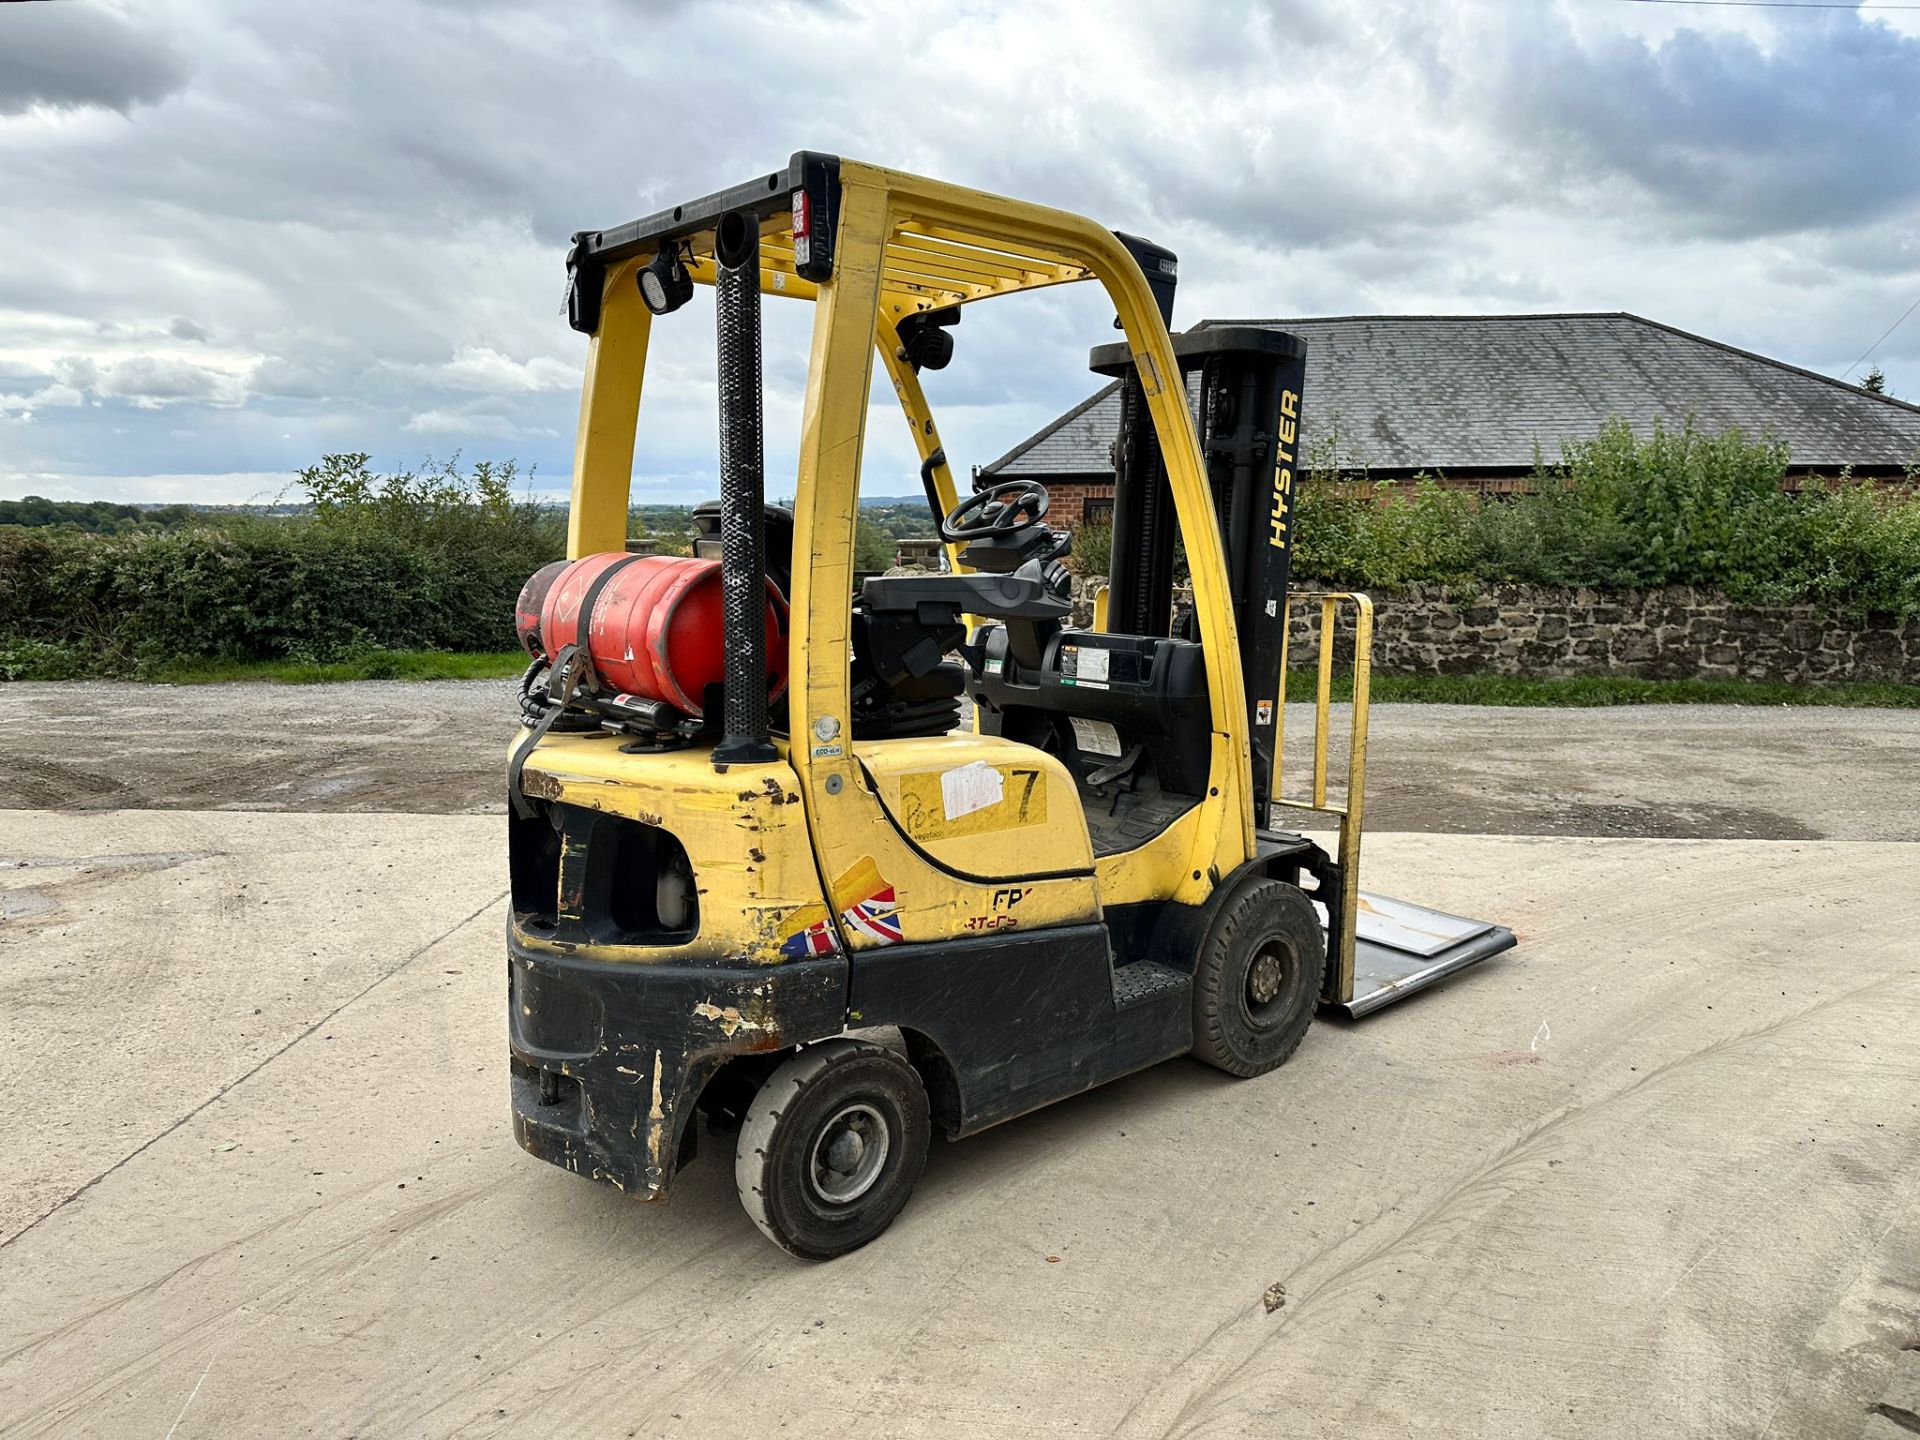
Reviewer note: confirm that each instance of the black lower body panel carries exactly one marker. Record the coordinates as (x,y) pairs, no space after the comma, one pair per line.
(609,1059)
(1006,1023)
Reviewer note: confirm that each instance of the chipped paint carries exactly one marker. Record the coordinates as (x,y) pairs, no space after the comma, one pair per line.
(657,1133)
(728,1018)
(538,785)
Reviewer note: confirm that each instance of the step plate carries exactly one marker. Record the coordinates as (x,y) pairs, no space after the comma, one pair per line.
(1401,947)
(1139,982)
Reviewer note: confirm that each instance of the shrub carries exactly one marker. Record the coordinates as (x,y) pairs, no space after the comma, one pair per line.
(1680,507)
(1092,549)
(873,548)
(398,562)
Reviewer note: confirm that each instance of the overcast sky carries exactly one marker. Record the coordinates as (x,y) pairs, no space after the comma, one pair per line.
(235,236)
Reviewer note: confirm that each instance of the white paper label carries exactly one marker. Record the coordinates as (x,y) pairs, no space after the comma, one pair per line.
(968,788)
(1096,737)
(1093,665)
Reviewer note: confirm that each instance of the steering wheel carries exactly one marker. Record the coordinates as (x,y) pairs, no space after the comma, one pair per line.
(998,512)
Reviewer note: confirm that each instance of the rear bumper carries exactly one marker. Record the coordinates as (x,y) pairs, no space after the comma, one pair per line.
(608,1060)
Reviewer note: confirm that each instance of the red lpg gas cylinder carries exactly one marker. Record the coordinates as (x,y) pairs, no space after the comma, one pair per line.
(656,629)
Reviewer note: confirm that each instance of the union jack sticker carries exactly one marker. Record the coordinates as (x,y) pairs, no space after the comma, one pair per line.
(815,939)
(868,910)
(873,917)
(877,917)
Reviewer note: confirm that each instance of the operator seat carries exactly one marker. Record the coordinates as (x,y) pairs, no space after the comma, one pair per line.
(1026,594)
(904,626)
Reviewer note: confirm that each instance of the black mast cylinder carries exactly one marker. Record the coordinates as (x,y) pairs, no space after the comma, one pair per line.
(743,554)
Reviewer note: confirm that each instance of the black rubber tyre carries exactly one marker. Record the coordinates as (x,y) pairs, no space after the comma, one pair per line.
(1258,979)
(831,1147)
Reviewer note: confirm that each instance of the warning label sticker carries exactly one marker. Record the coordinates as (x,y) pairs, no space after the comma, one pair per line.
(1083,665)
(1096,737)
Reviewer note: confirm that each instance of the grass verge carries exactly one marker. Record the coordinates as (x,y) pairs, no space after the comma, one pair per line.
(1594,690)
(375,665)
(1506,690)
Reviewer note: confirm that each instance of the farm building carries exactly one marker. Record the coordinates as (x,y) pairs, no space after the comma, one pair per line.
(1470,399)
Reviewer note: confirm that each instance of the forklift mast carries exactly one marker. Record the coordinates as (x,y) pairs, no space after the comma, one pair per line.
(1244,386)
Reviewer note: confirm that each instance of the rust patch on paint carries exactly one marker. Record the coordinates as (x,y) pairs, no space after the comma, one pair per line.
(537,785)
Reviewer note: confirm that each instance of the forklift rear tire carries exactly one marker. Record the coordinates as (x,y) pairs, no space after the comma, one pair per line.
(1257,980)
(831,1147)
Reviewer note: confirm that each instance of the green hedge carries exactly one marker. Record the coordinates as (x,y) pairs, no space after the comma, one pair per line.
(259,592)
(1680,507)
(403,562)
(433,559)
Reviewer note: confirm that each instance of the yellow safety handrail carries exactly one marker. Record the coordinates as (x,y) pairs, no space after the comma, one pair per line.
(1349,813)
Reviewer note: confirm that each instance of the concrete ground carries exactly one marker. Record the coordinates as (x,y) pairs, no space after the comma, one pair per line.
(1674,771)
(1650,1174)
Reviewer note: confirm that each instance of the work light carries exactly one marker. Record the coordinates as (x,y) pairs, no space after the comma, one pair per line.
(665,285)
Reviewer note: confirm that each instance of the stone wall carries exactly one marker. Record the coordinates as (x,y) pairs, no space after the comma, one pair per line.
(1672,633)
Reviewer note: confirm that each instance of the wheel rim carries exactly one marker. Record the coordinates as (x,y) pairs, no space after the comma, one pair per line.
(1271,977)
(848,1153)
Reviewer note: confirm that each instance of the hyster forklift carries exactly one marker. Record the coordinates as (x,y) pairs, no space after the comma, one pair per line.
(749,834)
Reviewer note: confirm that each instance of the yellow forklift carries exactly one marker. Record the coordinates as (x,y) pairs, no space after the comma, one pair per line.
(761,872)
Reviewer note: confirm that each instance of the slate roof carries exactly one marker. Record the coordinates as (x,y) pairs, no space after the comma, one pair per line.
(1475,393)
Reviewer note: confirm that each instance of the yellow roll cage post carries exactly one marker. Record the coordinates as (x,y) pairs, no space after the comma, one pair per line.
(904,245)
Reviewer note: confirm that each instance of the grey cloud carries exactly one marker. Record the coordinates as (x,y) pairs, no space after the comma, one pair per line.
(309,366)
(1728,138)
(79,371)
(162,379)
(353,218)
(80,54)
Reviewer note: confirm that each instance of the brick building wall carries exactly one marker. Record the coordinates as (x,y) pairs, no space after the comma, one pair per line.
(1073,498)
(1069,502)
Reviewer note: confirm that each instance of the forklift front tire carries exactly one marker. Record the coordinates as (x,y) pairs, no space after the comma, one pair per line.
(1257,980)
(831,1147)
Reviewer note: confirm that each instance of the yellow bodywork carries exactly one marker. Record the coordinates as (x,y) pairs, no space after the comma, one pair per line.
(753,867)
(876,815)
